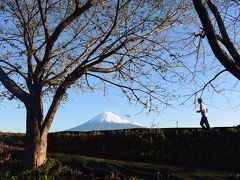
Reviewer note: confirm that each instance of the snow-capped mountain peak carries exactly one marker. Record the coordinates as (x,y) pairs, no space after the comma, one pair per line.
(106,121)
(108,117)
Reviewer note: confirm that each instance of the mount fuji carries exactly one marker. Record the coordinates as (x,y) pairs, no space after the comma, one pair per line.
(106,121)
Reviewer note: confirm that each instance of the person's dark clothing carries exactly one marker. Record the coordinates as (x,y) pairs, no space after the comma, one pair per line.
(204,122)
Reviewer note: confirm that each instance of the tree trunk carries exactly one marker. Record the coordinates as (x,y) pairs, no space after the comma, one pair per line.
(36,141)
(36,151)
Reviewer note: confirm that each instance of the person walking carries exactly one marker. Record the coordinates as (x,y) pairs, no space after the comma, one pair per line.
(203,110)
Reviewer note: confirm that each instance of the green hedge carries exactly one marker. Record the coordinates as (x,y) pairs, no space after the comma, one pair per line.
(217,148)
(14,139)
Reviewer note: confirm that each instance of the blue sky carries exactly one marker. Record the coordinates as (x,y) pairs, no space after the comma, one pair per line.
(82,107)
(223,110)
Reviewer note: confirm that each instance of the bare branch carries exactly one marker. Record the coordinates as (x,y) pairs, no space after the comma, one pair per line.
(28,42)
(12,87)
(133,90)
(204,87)
(69,66)
(109,70)
(119,64)
(15,69)
(43,20)
(227,41)
(218,51)
(209,82)
(121,86)
(104,40)
(78,11)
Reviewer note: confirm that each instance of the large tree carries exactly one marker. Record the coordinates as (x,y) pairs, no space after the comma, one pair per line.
(220,25)
(48,46)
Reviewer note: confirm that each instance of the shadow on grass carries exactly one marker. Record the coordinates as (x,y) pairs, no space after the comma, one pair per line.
(102,167)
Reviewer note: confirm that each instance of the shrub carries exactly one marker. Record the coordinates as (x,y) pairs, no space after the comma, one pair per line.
(190,147)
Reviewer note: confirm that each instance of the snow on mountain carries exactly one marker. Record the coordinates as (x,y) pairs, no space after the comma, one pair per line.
(106,121)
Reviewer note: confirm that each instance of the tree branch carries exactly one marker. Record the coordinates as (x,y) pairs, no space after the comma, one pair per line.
(43,20)
(227,41)
(121,86)
(68,67)
(15,69)
(28,45)
(12,87)
(78,11)
(204,87)
(218,51)
(104,40)
(209,82)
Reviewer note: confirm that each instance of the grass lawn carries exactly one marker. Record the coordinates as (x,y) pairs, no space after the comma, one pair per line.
(103,167)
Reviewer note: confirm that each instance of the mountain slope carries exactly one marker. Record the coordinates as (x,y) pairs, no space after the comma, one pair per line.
(106,121)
